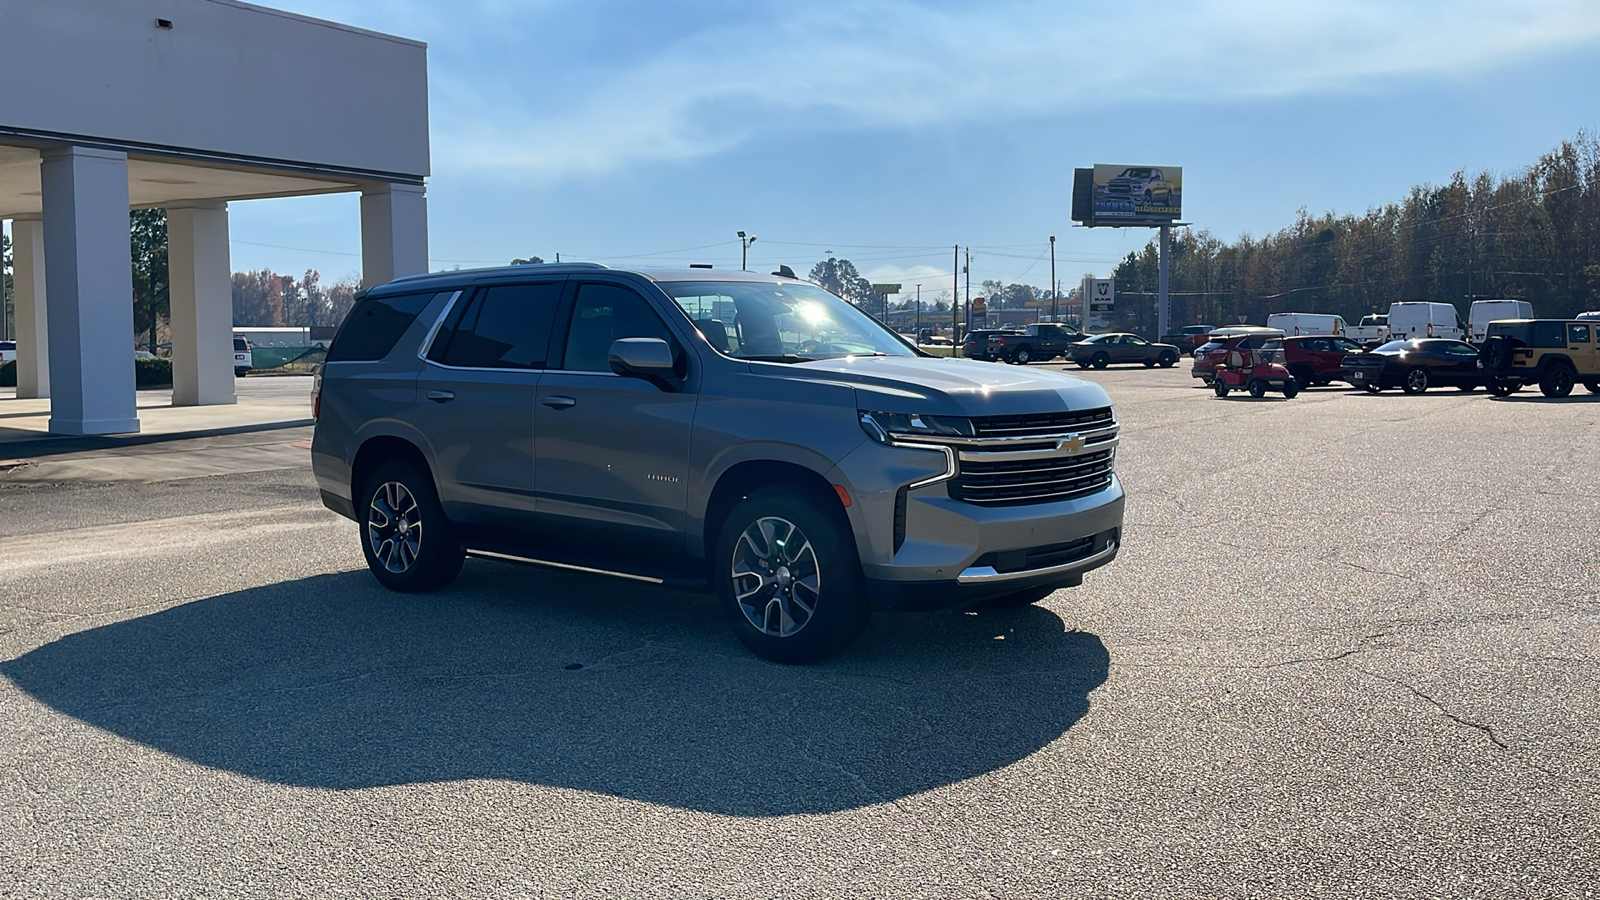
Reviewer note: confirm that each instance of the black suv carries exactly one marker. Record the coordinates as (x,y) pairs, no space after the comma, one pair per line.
(1040,341)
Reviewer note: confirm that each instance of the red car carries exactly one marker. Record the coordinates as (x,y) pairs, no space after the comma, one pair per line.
(1207,356)
(1317,359)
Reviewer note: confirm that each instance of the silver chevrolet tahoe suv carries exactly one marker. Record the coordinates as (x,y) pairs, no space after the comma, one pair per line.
(748,434)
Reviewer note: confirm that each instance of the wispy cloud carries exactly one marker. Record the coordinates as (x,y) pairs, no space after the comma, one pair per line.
(541,90)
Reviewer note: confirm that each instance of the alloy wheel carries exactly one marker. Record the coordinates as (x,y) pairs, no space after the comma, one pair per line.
(776,576)
(394,526)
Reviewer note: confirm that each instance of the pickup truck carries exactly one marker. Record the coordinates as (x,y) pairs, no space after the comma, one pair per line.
(1373,329)
(1039,341)
(1188,337)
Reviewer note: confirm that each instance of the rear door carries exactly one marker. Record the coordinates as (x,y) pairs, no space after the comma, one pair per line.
(613,452)
(475,401)
(1583,348)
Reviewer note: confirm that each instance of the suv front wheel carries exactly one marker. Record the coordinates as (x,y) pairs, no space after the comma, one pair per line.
(788,577)
(408,543)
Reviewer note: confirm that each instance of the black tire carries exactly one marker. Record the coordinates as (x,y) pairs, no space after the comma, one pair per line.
(1371,388)
(1592,387)
(1466,388)
(1304,376)
(1149,364)
(1082,364)
(1501,389)
(1022,356)
(1220,387)
(1258,388)
(1018,599)
(240,373)
(1290,388)
(1557,381)
(1100,361)
(409,544)
(1415,381)
(777,597)
(1168,360)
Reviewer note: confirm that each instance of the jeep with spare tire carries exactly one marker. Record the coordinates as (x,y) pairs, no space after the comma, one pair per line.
(753,436)
(1554,354)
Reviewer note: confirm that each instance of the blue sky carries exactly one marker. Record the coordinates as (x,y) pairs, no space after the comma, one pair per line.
(887,131)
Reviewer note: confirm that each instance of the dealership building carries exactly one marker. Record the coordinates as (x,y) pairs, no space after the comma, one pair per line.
(185,105)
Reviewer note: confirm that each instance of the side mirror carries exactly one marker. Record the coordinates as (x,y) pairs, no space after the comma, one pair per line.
(647,358)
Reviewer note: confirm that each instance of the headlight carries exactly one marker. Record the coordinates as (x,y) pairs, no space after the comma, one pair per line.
(884,427)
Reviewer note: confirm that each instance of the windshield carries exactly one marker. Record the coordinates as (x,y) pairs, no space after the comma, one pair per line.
(1394,347)
(781,322)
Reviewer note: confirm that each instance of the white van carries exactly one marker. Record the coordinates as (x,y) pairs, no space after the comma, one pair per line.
(1422,319)
(1485,311)
(1294,324)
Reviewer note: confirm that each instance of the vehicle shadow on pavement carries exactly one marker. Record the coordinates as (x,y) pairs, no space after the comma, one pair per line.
(568,681)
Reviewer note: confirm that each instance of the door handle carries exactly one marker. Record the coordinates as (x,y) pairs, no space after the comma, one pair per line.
(441,396)
(559,402)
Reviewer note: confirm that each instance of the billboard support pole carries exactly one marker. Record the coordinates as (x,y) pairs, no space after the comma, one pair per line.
(1163,304)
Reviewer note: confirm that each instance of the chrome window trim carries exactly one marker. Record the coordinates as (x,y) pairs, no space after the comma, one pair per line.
(427,342)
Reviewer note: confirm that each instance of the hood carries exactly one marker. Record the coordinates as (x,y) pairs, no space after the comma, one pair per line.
(950,387)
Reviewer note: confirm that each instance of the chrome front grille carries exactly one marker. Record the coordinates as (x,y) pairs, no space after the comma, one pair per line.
(1042,424)
(1046,479)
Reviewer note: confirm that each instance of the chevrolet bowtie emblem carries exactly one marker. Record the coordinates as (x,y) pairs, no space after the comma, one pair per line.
(1071,443)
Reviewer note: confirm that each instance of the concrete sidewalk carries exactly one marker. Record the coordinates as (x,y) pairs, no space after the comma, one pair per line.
(269,428)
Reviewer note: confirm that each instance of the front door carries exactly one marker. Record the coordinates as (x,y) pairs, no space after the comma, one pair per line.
(613,452)
(476,397)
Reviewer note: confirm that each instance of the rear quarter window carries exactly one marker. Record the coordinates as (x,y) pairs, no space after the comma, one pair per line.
(371,329)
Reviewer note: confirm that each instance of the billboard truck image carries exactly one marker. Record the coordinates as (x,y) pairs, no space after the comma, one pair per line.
(1135,195)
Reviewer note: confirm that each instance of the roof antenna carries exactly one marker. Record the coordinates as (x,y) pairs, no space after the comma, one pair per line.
(785,272)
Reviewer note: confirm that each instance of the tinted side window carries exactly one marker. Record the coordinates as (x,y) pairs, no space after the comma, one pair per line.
(505,327)
(602,314)
(1547,334)
(374,325)
(1578,334)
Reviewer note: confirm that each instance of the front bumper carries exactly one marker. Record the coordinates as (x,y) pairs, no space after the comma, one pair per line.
(977,583)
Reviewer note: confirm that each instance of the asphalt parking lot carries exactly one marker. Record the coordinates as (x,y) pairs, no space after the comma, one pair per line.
(1349,650)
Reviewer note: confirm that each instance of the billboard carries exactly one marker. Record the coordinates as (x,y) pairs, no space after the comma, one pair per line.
(1127,195)
(1099,301)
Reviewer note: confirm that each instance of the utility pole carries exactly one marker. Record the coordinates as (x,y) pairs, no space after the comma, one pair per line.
(1055,314)
(967,271)
(919,313)
(955,298)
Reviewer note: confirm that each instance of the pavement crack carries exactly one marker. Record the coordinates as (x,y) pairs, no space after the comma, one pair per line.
(1440,707)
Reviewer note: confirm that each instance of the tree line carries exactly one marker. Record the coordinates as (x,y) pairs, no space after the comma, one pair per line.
(1533,235)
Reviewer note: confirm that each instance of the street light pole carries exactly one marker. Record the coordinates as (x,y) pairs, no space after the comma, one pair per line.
(744,251)
(1055,314)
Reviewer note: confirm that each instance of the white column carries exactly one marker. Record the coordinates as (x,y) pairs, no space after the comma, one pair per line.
(394,232)
(88,270)
(202,303)
(27,285)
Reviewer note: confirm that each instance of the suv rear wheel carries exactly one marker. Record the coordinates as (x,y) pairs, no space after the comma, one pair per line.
(409,545)
(1557,381)
(788,577)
